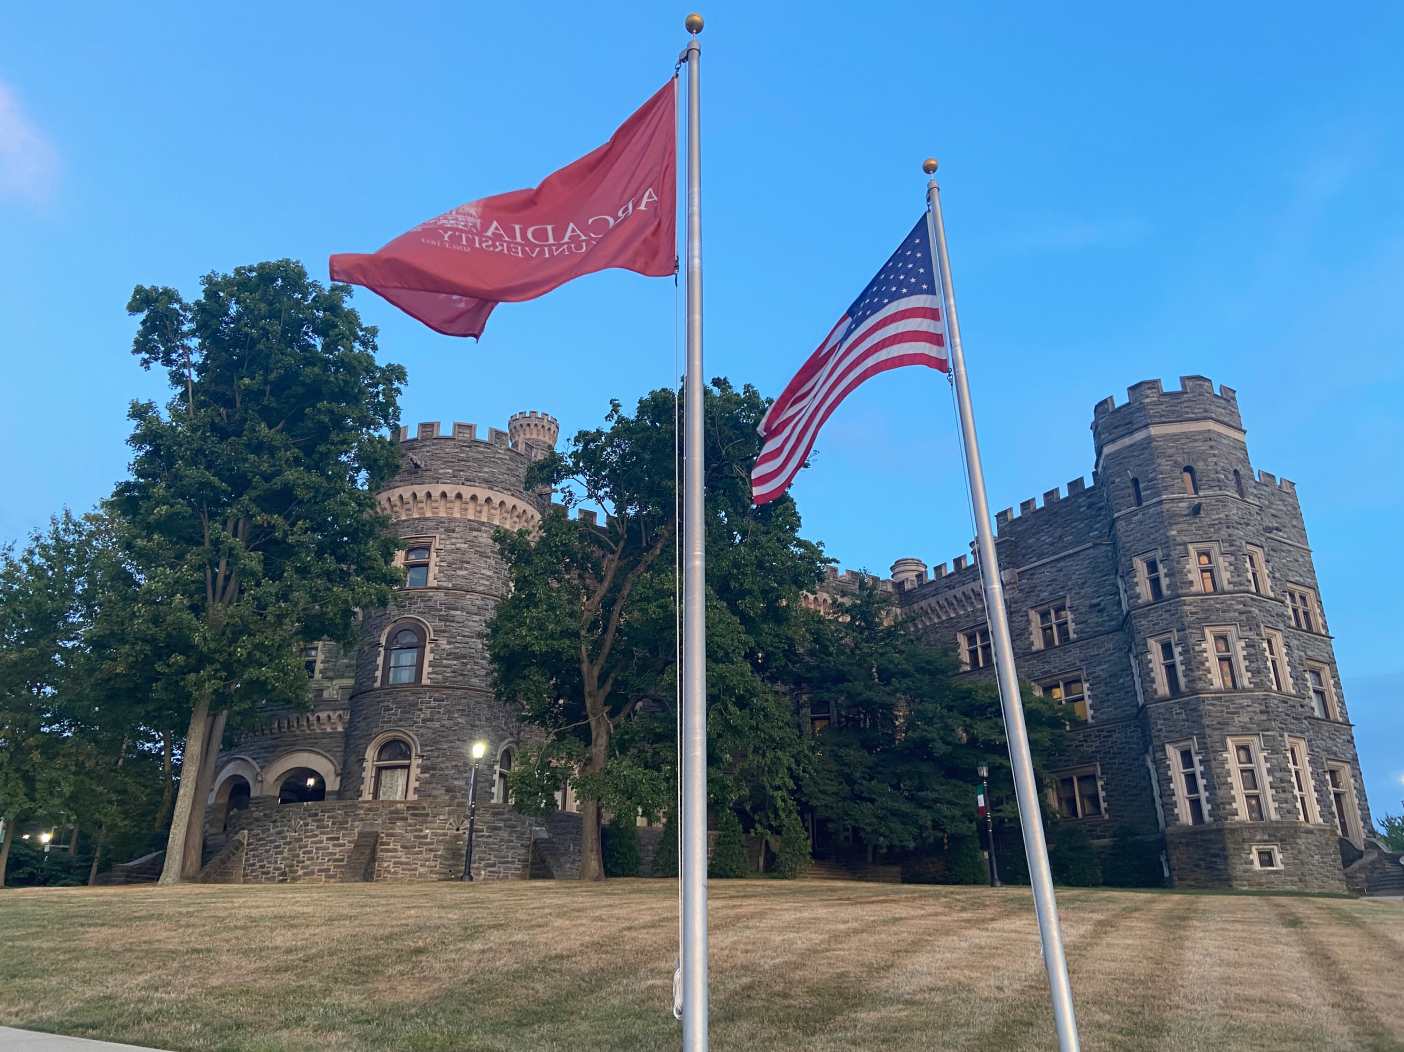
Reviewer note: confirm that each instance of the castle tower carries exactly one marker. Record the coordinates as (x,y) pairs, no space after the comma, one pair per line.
(1249,742)
(423,679)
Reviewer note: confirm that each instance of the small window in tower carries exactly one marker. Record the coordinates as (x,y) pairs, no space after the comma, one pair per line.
(1224,655)
(1136,491)
(1238,483)
(1191,482)
(500,791)
(1257,570)
(1277,660)
(1206,569)
(1149,578)
(417,566)
(1189,786)
(1323,694)
(1305,612)
(1249,780)
(1266,856)
(1165,663)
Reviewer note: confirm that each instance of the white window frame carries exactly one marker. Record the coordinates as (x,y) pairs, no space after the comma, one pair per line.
(370,767)
(1077,773)
(1303,786)
(500,794)
(1264,789)
(1162,685)
(1177,779)
(1356,833)
(1310,607)
(1143,576)
(1256,559)
(1218,565)
(1279,671)
(1235,655)
(970,645)
(1328,684)
(1036,624)
(1058,681)
(1274,850)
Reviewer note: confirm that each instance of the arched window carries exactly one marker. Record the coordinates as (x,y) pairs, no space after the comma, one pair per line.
(504,767)
(1238,483)
(301,785)
(404,654)
(239,796)
(392,770)
(1136,490)
(1191,482)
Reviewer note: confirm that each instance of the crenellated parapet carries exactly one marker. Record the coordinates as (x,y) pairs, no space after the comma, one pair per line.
(534,432)
(1052,499)
(474,503)
(1148,403)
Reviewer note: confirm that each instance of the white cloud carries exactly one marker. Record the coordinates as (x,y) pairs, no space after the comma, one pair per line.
(28,161)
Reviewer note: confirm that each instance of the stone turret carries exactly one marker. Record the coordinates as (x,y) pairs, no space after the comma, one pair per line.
(533,431)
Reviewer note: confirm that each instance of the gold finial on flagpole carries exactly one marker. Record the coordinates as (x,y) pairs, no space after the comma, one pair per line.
(693,23)
(929,166)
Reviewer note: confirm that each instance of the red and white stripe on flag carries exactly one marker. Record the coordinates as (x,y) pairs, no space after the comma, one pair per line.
(895,321)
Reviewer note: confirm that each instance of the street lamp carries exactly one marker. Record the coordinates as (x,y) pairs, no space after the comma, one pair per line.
(984,773)
(478,749)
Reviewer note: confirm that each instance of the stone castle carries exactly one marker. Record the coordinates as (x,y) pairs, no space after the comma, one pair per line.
(1172,607)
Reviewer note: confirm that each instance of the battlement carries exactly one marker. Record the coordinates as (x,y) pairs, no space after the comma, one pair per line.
(1050,498)
(848,581)
(1148,403)
(584,516)
(522,428)
(1267,478)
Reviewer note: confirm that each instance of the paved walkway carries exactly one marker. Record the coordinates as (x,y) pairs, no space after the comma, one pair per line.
(23,1040)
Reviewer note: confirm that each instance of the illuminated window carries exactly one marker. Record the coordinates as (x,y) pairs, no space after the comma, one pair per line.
(1206,569)
(1223,654)
(1070,691)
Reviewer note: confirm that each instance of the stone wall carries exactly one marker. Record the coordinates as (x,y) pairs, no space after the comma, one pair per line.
(417,840)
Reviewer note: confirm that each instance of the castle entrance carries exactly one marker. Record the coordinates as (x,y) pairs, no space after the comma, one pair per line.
(302,785)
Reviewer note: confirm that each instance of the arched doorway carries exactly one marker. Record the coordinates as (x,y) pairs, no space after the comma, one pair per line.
(237,797)
(301,785)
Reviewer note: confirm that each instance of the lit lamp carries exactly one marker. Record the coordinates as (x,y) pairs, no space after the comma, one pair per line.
(477,751)
(44,839)
(984,773)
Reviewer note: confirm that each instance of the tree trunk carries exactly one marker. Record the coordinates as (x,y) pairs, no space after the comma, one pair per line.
(163,813)
(73,841)
(195,830)
(99,843)
(5,845)
(191,759)
(591,842)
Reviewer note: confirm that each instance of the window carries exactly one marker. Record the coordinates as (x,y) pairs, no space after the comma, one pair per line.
(1136,491)
(1067,690)
(1303,792)
(1189,782)
(1265,856)
(1191,481)
(821,714)
(1205,568)
(391,777)
(1080,793)
(1277,660)
(1257,570)
(1238,483)
(975,649)
(1223,655)
(1149,578)
(310,656)
(1052,626)
(1249,780)
(417,566)
(1322,688)
(500,794)
(1342,783)
(1165,662)
(404,655)
(1302,603)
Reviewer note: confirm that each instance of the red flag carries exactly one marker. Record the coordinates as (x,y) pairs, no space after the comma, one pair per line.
(614,207)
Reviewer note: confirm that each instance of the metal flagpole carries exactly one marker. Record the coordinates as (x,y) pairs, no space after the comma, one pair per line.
(694,656)
(1030,817)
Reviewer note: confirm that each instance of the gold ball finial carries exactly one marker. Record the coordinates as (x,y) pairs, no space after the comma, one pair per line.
(929,166)
(693,23)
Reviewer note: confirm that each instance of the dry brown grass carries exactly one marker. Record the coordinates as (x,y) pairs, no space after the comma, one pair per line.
(800,965)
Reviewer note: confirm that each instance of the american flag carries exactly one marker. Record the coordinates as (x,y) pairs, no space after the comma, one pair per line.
(895,321)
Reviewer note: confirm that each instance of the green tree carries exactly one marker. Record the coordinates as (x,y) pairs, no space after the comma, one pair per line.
(1392,831)
(249,508)
(897,765)
(586,641)
(729,853)
(621,847)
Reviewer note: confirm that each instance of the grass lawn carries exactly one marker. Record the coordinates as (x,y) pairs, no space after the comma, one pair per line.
(795,965)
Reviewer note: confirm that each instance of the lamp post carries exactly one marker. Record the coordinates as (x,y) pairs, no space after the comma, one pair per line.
(984,772)
(477,751)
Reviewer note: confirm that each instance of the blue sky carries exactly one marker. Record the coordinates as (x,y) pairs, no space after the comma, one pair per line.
(1203,188)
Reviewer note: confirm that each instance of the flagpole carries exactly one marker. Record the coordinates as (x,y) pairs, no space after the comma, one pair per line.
(1025,786)
(694,657)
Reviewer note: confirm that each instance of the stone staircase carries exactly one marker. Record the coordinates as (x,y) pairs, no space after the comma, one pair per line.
(360,860)
(1376,870)
(144,870)
(875,874)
